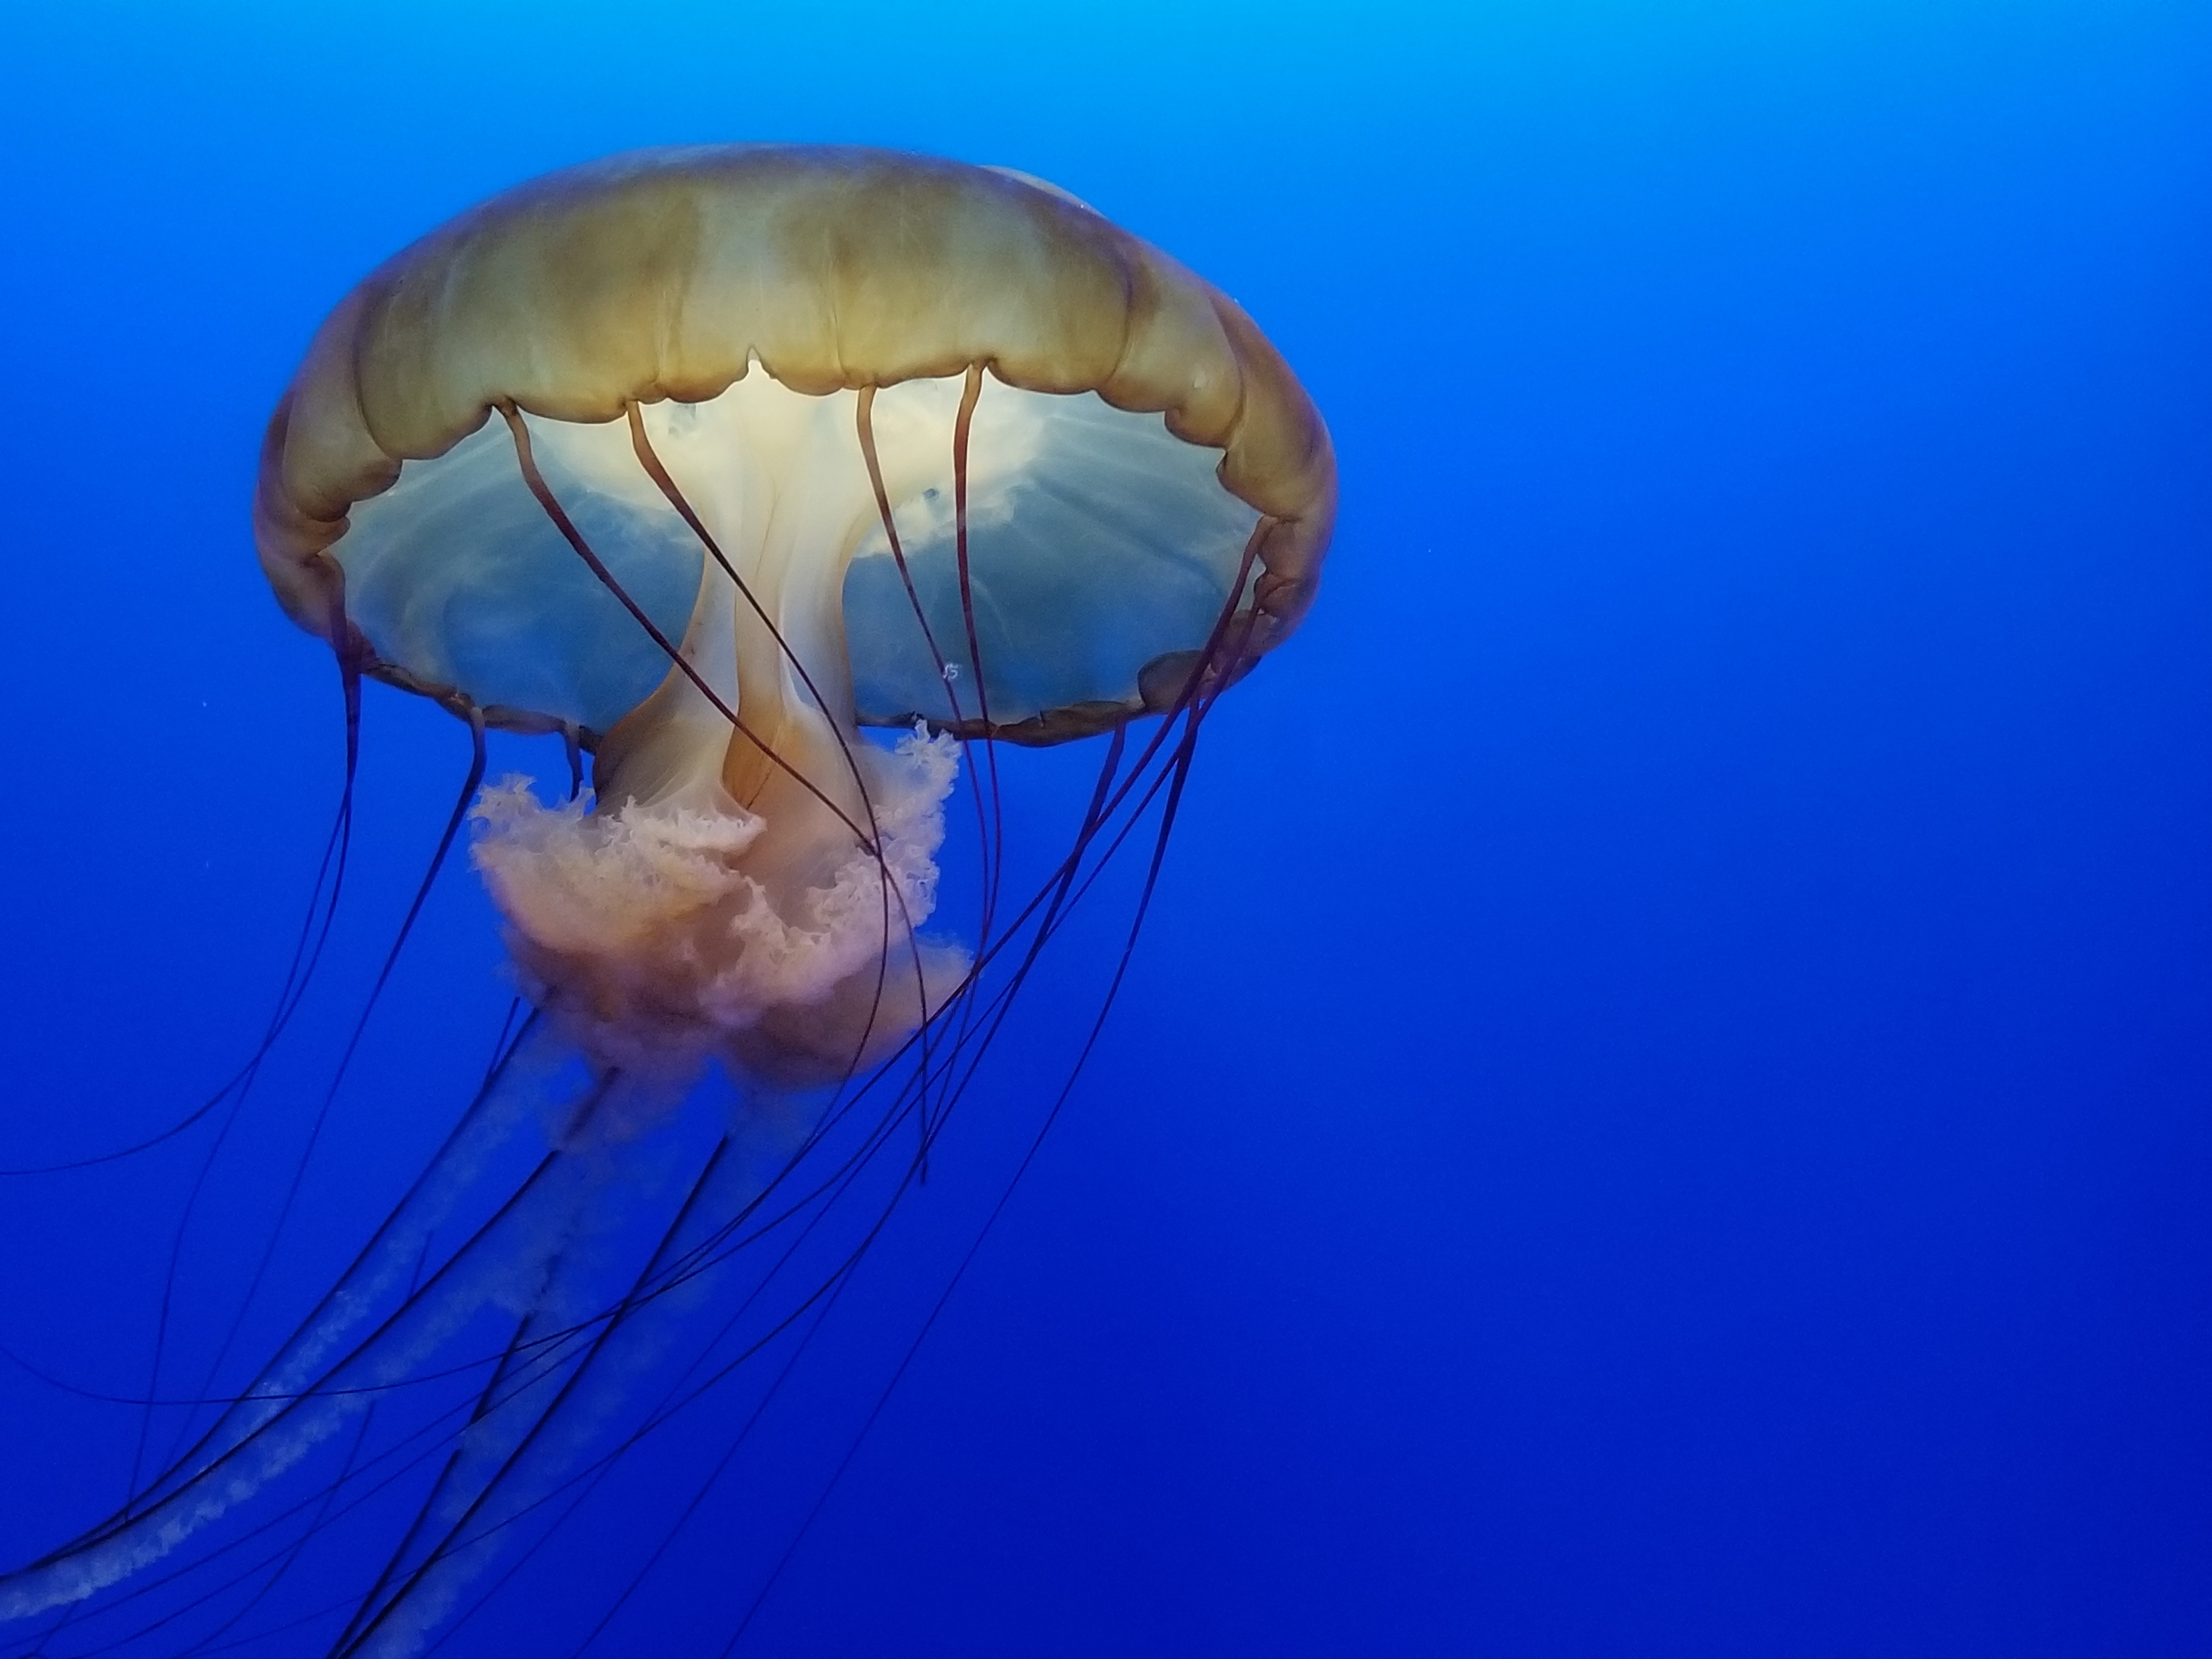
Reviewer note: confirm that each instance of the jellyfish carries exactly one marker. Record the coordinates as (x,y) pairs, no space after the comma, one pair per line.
(792,487)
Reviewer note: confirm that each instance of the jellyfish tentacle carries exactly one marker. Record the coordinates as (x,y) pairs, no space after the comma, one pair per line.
(678,1278)
(503,1411)
(304,1396)
(700,1258)
(994,834)
(470,783)
(963,420)
(553,509)
(118,1523)
(988,846)
(517,1075)
(268,1434)
(864,422)
(684,1390)
(713,1476)
(501,1396)
(323,1504)
(1193,699)
(307,955)
(278,1566)
(537,1438)
(1185,754)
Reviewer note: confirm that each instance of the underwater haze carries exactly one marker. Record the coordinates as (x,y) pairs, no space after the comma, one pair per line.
(1663,1105)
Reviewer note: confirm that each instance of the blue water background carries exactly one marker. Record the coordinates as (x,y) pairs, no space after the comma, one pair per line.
(1666,1105)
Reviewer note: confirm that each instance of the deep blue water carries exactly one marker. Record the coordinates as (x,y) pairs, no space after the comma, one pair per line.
(1665,1106)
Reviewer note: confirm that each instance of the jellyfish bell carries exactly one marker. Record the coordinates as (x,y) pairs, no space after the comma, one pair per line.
(857,440)
(770,477)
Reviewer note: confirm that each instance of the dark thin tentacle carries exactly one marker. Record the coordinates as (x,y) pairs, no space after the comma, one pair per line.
(1184,755)
(865,421)
(155,1490)
(283,1564)
(453,823)
(714,1475)
(574,538)
(298,972)
(496,1392)
(971,391)
(1192,703)
(988,846)
(361,1628)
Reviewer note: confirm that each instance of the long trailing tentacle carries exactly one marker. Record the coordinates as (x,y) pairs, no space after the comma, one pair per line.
(306,953)
(1224,648)
(470,783)
(326,1371)
(530,1445)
